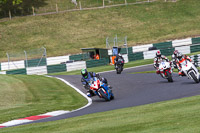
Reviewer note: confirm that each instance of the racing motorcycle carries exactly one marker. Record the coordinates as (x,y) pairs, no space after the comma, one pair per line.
(166,71)
(119,66)
(190,70)
(101,89)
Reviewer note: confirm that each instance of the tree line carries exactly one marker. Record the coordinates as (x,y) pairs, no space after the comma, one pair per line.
(19,7)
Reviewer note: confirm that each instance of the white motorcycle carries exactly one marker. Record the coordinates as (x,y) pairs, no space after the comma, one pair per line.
(166,71)
(190,70)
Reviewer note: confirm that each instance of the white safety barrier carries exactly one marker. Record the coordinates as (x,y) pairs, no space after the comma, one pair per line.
(3,72)
(40,70)
(57,60)
(149,54)
(110,52)
(76,65)
(141,48)
(12,65)
(125,56)
(183,49)
(182,42)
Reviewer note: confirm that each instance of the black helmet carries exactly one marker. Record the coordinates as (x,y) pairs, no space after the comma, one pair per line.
(84,73)
(158,54)
(179,56)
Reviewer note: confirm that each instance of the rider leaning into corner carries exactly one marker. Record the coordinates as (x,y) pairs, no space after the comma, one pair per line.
(181,59)
(86,76)
(119,56)
(158,59)
(174,59)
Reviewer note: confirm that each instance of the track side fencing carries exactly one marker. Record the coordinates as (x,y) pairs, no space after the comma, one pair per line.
(79,61)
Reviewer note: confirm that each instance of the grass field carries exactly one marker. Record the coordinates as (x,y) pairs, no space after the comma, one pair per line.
(66,33)
(23,96)
(176,116)
(50,5)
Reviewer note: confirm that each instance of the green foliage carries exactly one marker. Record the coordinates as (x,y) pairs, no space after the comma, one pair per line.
(2,1)
(17,2)
(8,2)
(18,7)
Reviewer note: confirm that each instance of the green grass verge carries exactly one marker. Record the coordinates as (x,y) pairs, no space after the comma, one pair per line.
(177,116)
(23,96)
(143,72)
(66,33)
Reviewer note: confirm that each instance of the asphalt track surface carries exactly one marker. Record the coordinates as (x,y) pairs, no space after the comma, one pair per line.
(132,90)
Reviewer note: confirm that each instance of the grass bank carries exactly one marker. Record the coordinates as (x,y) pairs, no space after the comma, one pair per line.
(180,116)
(66,33)
(23,96)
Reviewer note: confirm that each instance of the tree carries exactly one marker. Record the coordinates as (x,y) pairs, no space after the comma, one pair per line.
(6,5)
(19,7)
(14,2)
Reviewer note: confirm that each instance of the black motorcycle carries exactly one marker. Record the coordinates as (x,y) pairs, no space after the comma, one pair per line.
(119,66)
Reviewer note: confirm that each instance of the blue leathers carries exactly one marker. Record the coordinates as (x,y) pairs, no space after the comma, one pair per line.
(86,80)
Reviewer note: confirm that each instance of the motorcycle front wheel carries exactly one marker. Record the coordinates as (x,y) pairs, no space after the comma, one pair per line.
(104,95)
(194,77)
(119,69)
(169,77)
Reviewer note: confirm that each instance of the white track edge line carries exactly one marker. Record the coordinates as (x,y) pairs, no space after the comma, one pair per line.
(89,99)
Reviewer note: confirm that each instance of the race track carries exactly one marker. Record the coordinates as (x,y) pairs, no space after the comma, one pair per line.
(133,90)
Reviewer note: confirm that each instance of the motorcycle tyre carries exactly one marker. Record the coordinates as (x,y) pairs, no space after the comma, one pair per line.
(104,95)
(112,96)
(119,70)
(194,77)
(169,77)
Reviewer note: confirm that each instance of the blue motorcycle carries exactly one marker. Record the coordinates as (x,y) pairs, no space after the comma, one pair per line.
(101,89)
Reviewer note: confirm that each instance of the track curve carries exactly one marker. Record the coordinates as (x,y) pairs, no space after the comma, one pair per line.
(132,90)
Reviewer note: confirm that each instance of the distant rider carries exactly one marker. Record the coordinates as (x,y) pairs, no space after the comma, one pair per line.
(157,61)
(86,77)
(119,56)
(181,59)
(174,58)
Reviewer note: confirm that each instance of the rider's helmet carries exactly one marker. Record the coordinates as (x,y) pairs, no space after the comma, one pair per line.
(119,55)
(84,73)
(180,56)
(158,54)
(175,53)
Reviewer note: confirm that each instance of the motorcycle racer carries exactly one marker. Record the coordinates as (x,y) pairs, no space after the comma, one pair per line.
(158,59)
(119,56)
(181,59)
(86,77)
(174,59)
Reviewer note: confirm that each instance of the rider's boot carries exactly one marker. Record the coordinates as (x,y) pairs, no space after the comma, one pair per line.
(90,93)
